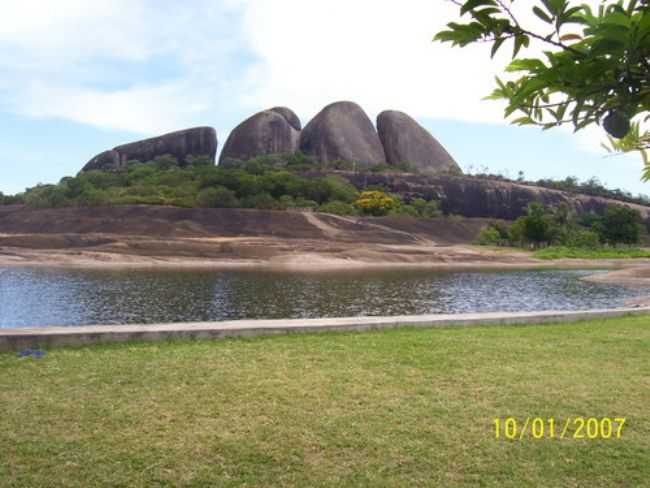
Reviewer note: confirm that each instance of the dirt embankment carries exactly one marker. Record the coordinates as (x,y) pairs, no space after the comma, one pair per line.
(151,235)
(154,236)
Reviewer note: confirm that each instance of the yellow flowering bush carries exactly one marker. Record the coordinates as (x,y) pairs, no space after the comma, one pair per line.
(375,203)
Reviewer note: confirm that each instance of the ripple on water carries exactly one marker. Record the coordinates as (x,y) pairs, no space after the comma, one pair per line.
(46,297)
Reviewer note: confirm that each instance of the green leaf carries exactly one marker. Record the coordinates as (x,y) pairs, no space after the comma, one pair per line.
(524,121)
(542,15)
(527,64)
(472,4)
(497,44)
(520,40)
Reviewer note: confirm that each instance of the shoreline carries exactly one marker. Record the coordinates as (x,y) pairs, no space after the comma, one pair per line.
(301,262)
(14,339)
(628,272)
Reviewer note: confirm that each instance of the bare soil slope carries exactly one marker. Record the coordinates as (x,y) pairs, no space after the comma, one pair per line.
(154,235)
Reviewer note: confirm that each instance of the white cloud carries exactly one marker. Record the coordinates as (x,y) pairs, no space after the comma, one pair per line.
(378,53)
(140,65)
(142,109)
(62,59)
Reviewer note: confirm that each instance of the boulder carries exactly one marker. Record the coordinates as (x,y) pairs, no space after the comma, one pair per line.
(343,131)
(288,114)
(183,145)
(406,141)
(273,131)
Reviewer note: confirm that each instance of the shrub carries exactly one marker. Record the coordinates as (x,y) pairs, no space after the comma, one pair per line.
(165,162)
(217,197)
(286,201)
(46,196)
(619,225)
(338,208)
(300,160)
(262,201)
(93,197)
(516,231)
(305,203)
(430,209)
(200,160)
(341,189)
(405,210)
(11,199)
(375,203)
(582,238)
(489,236)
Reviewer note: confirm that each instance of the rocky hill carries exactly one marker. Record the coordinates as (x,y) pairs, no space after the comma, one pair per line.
(478,197)
(343,131)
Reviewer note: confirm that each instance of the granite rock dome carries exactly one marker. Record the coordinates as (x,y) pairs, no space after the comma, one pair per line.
(273,131)
(343,131)
(183,145)
(406,141)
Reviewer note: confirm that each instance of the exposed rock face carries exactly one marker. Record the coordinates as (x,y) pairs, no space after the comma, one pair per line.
(289,115)
(406,141)
(183,144)
(274,131)
(342,130)
(476,197)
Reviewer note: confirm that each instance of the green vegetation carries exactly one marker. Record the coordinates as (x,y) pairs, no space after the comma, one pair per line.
(272,182)
(594,68)
(541,227)
(407,407)
(375,203)
(560,252)
(9,199)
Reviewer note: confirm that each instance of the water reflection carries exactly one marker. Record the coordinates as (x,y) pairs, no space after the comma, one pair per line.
(41,297)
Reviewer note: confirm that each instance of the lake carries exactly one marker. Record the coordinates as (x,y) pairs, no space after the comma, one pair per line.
(34,297)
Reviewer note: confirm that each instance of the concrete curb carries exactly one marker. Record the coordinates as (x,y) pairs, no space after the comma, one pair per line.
(17,339)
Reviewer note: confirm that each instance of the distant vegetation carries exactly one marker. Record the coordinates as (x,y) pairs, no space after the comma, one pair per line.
(592,186)
(562,230)
(262,183)
(275,182)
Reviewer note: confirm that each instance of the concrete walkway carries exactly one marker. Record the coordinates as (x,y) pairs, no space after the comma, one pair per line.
(16,339)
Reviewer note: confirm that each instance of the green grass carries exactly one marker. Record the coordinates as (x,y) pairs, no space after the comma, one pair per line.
(397,408)
(558,252)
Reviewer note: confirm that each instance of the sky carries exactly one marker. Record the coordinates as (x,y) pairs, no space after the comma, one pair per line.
(80,77)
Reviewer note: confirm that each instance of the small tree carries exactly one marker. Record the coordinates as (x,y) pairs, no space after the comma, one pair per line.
(375,203)
(619,225)
(536,224)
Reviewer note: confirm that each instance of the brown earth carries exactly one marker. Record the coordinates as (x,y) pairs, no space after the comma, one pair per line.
(154,236)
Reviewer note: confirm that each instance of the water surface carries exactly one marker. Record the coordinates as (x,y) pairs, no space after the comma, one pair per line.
(44,297)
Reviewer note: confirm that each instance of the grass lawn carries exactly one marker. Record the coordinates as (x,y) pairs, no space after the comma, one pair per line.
(558,252)
(396,408)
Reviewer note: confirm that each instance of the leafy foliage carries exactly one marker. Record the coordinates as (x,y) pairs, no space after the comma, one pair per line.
(541,227)
(489,236)
(376,203)
(596,68)
(619,224)
(254,184)
(10,199)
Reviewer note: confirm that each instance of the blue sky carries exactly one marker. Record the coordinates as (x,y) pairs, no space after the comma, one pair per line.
(79,77)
